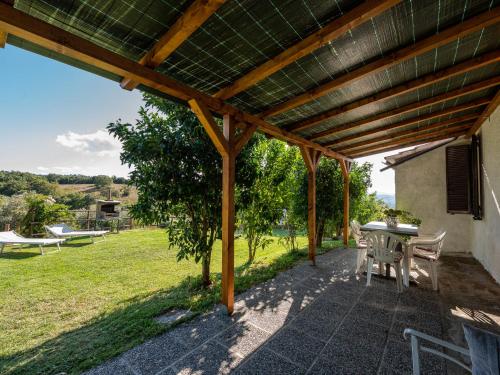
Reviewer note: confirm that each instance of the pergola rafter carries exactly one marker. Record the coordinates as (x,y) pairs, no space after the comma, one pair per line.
(397,146)
(466,90)
(455,120)
(446,36)
(432,78)
(359,15)
(197,13)
(414,136)
(486,114)
(414,120)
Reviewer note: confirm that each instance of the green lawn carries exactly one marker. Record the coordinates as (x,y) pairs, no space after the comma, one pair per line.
(68,311)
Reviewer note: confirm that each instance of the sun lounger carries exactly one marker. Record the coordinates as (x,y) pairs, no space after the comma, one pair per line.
(65,231)
(12,238)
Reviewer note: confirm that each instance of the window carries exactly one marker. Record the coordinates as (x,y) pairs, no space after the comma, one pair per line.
(458,189)
(464,179)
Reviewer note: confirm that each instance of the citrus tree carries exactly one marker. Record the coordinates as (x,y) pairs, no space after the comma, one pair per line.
(178,173)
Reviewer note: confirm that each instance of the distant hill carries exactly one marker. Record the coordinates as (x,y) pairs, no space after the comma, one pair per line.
(389,199)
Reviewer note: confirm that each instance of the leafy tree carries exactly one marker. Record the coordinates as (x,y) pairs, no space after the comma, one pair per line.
(329,194)
(369,208)
(263,205)
(102,181)
(43,211)
(12,210)
(12,183)
(178,173)
(76,201)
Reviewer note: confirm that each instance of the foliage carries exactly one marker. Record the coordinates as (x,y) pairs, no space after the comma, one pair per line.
(12,210)
(102,181)
(43,211)
(178,173)
(329,194)
(13,183)
(76,201)
(262,205)
(369,208)
(125,191)
(403,216)
(291,225)
(76,179)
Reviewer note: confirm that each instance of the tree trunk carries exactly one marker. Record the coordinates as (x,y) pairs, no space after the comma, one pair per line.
(319,233)
(205,270)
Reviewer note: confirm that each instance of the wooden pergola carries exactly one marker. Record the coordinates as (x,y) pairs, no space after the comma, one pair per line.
(438,82)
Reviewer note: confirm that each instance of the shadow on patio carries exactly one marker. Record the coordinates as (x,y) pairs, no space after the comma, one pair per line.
(323,320)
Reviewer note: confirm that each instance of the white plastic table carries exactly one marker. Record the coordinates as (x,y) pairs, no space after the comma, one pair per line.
(401,229)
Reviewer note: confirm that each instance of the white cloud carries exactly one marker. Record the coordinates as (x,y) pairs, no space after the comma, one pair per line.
(60,170)
(99,143)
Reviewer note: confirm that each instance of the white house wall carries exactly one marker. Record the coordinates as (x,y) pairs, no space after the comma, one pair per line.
(485,244)
(421,190)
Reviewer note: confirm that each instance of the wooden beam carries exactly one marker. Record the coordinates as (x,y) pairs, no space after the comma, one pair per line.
(197,13)
(402,143)
(211,127)
(448,111)
(244,138)
(429,79)
(443,37)
(485,115)
(416,143)
(346,168)
(466,90)
(3,39)
(338,27)
(311,159)
(386,137)
(62,42)
(414,136)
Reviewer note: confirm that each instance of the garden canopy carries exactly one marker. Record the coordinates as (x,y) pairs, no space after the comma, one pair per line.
(339,78)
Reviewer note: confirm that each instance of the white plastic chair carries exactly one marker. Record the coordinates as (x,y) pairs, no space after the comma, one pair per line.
(428,249)
(361,245)
(385,248)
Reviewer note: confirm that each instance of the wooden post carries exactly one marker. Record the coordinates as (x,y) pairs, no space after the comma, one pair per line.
(346,167)
(7,227)
(228,177)
(311,159)
(229,147)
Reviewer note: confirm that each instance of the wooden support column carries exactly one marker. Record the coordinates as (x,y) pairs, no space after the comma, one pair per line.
(228,179)
(311,159)
(346,167)
(229,146)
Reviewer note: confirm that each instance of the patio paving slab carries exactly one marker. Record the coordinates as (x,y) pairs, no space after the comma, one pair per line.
(265,362)
(297,346)
(321,320)
(210,358)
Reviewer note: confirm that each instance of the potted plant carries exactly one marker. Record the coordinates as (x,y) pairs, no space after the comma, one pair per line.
(391,217)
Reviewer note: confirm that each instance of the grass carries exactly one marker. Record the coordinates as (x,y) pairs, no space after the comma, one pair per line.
(69,311)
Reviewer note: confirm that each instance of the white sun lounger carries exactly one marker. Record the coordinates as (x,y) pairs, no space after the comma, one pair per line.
(12,238)
(65,231)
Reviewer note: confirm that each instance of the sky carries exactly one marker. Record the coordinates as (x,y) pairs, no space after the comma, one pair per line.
(53,119)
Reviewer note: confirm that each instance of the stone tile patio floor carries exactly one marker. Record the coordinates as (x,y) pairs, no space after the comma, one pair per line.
(323,320)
